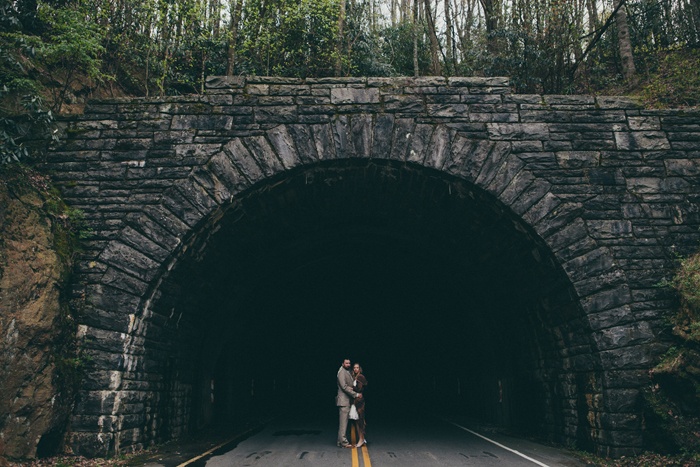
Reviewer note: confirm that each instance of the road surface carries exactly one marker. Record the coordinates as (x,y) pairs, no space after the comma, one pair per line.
(419,441)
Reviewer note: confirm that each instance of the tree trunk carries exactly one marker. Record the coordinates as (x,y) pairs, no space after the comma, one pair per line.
(235,19)
(625,45)
(341,30)
(593,22)
(416,68)
(491,16)
(449,61)
(435,67)
(405,8)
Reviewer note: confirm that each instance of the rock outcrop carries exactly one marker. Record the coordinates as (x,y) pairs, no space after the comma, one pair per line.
(33,406)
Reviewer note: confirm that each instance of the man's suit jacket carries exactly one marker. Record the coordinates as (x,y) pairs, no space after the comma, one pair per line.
(345,389)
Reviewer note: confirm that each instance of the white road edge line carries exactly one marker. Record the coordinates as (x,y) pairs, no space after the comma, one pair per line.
(497,444)
(204,454)
(218,446)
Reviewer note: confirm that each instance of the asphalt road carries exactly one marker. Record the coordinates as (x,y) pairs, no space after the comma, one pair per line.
(416,441)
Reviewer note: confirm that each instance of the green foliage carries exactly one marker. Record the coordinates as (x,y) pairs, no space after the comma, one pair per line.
(687,283)
(289,37)
(673,399)
(35,66)
(397,47)
(69,49)
(19,130)
(675,79)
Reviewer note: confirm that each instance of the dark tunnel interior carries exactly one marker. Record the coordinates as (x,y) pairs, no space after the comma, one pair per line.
(439,291)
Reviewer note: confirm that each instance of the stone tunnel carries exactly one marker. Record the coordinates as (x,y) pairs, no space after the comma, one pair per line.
(499,254)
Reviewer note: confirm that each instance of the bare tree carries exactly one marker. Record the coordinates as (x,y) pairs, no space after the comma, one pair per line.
(416,68)
(339,48)
(492,14)
(625,45)
(435,66)
(235,9)
(449,60)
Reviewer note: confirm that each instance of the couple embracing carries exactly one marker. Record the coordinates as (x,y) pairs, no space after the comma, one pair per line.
(350,387)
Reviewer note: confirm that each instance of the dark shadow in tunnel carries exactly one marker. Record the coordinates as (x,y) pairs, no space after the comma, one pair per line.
(443,295)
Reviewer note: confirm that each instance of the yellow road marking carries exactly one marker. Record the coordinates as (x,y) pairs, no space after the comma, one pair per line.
(365,456)
(353,440)
(365,451)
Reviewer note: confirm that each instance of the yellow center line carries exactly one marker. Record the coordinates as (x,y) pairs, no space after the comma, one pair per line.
(355,455)
(365,456)
(353,440)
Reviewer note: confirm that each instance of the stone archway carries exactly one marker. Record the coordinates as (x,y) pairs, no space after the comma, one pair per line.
(164,178)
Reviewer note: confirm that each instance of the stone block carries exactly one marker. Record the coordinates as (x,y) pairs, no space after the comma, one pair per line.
(224,82)
(382,136)
(442,98)
(314,119)
(641,140)
(493,117)
(643,185)
(342,96)
(603,176)
(439,147)
(644,123)
(460,81)
(548,203)
(276,114)
(404,104)
(289,90)
(284,146)
(684,145)
(420,142)
(403,133)
(276,100)
(617,102)
(321,143)
(244,160)
(197,197)
(530,197)
(609,228)
(167,220)
(201,122)
(213,186)
(264,155)
(518,131)
(578,159)
(361,135)
(627,358)
(567,100)
(129,259)
(504,176)
(304,142)
(182,207)
(623,336)
(605,299)
(311,101)
(429,81)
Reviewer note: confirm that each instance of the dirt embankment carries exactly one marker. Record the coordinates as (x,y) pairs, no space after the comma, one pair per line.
(34,396)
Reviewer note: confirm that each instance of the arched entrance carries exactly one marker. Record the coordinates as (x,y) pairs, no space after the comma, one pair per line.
(436,286)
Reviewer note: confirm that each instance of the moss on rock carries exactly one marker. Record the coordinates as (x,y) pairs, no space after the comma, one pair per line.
(36,329)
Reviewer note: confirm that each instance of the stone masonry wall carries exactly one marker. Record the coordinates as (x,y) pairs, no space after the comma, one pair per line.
(610,187)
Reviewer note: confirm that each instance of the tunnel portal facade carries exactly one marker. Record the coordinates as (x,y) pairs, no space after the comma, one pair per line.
(578,204)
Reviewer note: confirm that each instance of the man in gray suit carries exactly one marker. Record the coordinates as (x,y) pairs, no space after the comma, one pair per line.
(344,400)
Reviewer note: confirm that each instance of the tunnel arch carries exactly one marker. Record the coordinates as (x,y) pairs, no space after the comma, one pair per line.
(136,269)
(601,190)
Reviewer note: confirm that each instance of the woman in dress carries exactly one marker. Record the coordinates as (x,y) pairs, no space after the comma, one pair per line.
(360,383)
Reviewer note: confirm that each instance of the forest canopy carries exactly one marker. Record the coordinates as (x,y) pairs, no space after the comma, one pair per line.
(55,53)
